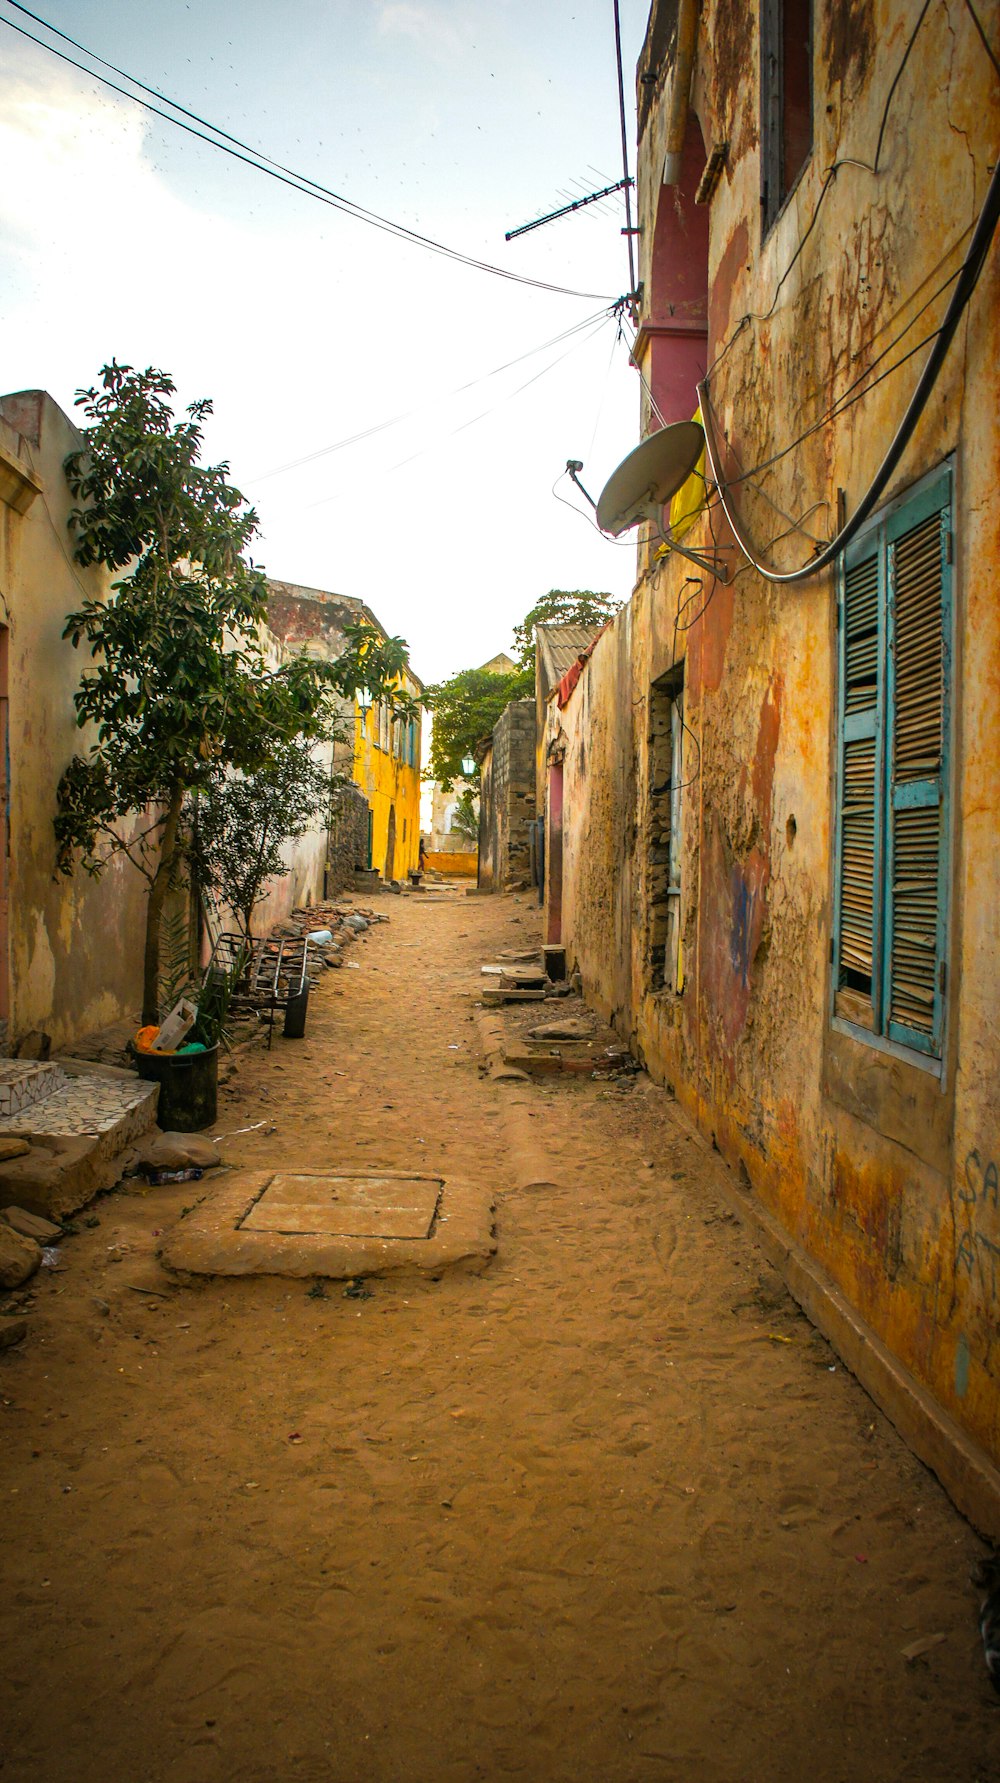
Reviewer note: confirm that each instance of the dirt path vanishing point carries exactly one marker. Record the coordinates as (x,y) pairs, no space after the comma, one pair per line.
(607,1513)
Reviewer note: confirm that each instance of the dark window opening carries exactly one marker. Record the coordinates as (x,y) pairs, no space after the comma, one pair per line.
(786,133)
(663,858)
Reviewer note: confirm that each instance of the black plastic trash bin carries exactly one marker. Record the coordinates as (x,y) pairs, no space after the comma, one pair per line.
(189,1087)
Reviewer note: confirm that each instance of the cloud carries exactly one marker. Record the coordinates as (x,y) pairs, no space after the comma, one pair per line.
(422,24)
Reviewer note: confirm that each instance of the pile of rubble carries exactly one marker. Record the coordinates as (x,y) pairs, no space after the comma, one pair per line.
(331,930)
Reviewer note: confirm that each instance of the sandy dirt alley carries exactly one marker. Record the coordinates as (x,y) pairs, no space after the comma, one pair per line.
(609,1511)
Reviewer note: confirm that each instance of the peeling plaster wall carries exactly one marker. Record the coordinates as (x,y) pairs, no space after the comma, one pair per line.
(886,1174)
(74,946)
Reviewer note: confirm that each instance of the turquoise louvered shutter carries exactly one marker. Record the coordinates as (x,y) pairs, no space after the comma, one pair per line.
(918,551)
(858,887)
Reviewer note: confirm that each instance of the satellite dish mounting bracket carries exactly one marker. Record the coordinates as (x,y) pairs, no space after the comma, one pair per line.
(711,564)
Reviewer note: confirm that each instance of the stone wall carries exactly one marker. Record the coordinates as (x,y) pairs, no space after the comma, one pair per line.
(348,846)
(507,800)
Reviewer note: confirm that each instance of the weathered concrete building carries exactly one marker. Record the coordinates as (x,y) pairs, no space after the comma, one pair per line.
(507,799)
(70,949)
(381,752)
(778,802)
(561,651)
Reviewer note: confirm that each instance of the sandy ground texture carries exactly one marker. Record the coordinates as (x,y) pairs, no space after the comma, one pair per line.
(609,1512)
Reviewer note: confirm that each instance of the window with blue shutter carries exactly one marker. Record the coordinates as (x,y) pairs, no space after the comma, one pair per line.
(891,874)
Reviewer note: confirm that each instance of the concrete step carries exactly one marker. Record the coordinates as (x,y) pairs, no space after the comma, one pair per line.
(84,1102)
(79,1133)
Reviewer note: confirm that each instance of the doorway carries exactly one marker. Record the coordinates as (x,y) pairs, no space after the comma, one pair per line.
(390,845)
(554,856)
(4,845)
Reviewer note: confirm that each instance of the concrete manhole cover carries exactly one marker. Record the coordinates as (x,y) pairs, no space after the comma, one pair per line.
(346,1206)
(333,1223)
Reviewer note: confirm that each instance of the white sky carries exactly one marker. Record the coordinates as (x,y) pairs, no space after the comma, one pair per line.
(120,236)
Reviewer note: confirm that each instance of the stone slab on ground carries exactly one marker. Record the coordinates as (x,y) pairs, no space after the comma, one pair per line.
(492,999)
(19,1257)
(304,1223)
(58,1174)
(177,1151)
(550,1063)
(31,1225)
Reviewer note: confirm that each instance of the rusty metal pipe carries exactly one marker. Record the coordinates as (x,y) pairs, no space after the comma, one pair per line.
(680,92)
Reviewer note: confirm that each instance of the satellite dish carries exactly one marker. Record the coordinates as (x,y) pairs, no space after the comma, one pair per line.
(649,477)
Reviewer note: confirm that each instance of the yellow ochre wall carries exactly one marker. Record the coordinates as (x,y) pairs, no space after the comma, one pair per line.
(70,949)
(390,783)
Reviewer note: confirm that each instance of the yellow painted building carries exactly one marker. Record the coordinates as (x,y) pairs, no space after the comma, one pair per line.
(380,751)
(387,769)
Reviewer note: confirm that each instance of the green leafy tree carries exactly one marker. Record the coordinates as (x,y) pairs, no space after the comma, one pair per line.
(465,709)
(179,685)
(244,821)
(561,606)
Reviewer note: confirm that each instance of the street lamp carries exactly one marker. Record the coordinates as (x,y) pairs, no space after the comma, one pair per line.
(468,766)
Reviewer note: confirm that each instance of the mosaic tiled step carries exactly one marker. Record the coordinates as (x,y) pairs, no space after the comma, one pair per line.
(88,1101)
(24,1083)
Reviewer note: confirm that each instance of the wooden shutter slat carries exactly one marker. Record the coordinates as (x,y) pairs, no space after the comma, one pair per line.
(917,746)
(857,872)
(856,962)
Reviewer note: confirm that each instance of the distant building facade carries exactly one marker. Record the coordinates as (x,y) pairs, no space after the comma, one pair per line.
(379,752)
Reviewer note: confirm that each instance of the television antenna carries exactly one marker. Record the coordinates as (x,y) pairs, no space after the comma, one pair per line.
(578,203)
(645,482)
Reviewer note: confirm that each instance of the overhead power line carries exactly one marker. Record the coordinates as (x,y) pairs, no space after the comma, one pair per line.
(484,414)
(227,144)
(366,433)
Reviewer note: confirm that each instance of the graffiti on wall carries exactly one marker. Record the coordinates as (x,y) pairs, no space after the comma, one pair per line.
(979,1194)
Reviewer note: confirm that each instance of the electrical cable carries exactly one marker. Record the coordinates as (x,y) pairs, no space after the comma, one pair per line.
(972,266)
(482,416)
(240,151)
(621,112)
(408,414)
(604,391)
(922,14)
(623,544)
(846,400)
(988,47)
(834,413)
(848,161)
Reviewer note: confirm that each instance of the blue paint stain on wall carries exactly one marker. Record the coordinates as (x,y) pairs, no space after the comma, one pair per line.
(741,934)
(961,1367)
